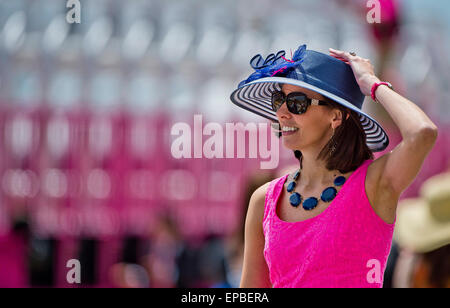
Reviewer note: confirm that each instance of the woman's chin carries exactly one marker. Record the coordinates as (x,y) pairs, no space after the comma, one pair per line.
(290,144)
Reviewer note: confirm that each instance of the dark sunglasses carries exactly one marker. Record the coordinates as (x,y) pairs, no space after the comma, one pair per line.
(297,102)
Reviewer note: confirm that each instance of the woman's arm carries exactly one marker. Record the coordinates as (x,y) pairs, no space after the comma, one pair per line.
(255,273)
(419,133)
(393,172)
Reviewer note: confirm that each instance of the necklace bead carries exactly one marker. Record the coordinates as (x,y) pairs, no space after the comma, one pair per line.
(310,203)
(295,199)
(340,180)
(291,186)
(328,194)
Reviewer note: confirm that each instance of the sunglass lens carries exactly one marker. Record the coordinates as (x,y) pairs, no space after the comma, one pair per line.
(297,103)
(277,100)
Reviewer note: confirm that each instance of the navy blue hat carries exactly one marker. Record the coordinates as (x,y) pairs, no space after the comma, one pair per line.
(312,70)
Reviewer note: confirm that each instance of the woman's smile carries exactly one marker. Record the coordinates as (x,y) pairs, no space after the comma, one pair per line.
(289,130)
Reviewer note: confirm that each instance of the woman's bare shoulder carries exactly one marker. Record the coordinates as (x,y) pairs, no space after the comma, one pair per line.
(257,201)
(261,191)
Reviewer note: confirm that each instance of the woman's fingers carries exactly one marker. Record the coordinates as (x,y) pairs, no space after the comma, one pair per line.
(342,54)
(339,58)
(337,52)
(343,60)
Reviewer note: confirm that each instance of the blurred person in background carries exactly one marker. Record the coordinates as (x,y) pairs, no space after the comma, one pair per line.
(384,33)
(165,246)
(130,272)
(306,241)
(188,265)
(14,255)
(202,263)
(213,263)
(423,234)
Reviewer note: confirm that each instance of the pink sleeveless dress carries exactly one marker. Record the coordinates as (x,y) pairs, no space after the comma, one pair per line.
(347,245)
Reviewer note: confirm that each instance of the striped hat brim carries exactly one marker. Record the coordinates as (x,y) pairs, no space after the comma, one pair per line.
(255,97)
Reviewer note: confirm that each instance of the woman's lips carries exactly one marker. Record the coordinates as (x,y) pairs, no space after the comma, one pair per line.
(287,133)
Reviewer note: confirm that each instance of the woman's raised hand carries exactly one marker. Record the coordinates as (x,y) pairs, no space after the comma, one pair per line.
(362,69)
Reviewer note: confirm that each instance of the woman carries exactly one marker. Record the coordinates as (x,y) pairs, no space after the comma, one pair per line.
(329,223)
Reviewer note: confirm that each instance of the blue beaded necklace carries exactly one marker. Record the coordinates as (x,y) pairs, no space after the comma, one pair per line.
(310,203)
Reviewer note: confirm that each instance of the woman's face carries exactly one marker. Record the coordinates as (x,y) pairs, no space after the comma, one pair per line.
(314,128)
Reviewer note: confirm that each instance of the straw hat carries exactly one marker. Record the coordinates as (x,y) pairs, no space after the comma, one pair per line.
(423,224)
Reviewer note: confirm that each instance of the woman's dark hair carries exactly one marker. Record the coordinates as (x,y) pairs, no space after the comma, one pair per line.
(347,149)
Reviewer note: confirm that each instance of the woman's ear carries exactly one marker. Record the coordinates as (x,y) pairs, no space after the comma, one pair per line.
(336,118)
